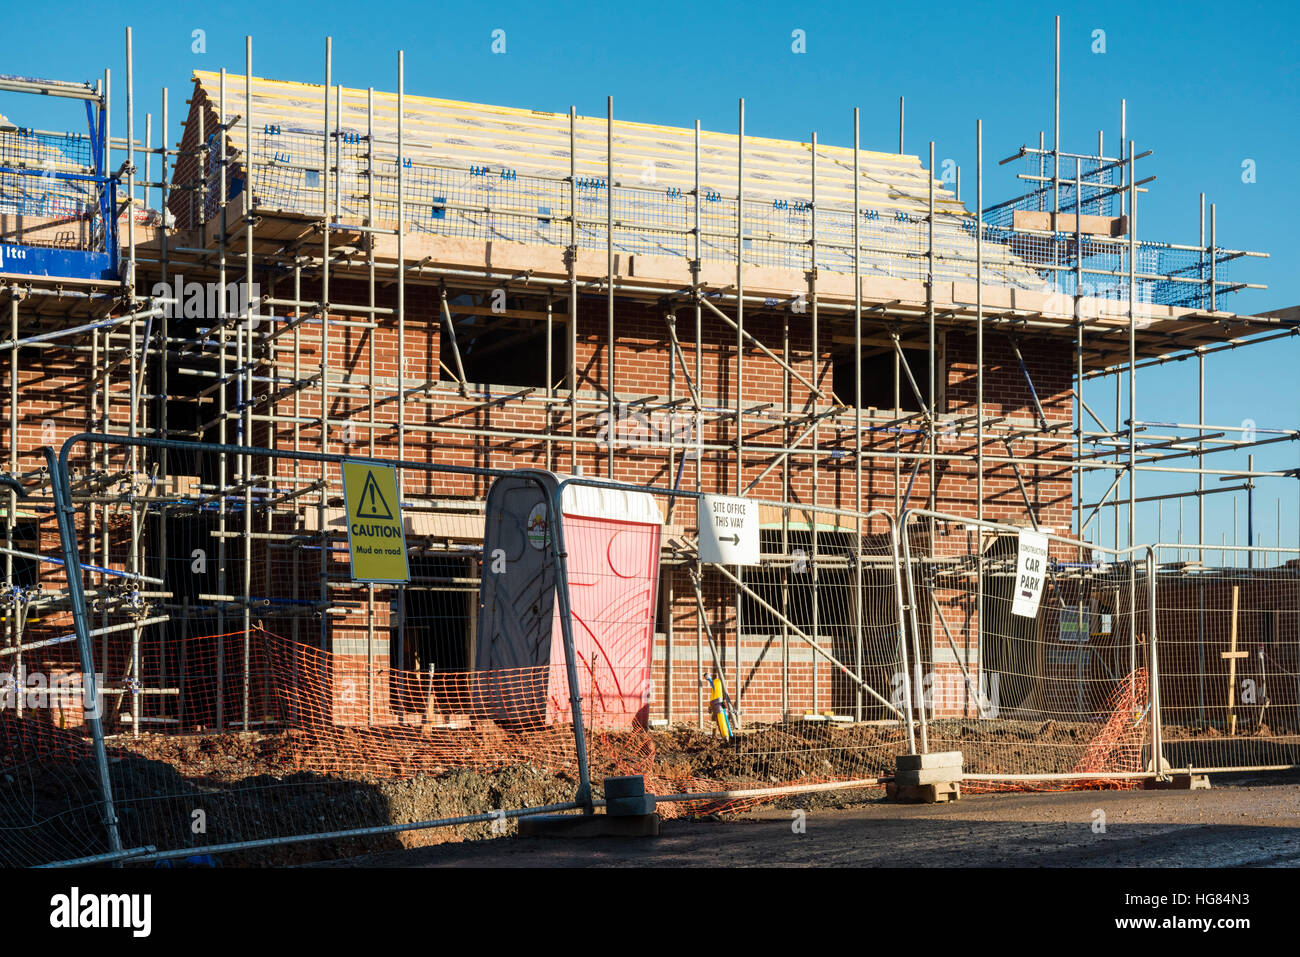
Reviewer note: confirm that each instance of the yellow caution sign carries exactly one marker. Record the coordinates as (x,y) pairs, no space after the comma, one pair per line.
(376,540)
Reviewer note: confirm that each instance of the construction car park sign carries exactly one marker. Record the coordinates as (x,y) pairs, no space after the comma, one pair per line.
(1031,570)
(376,540)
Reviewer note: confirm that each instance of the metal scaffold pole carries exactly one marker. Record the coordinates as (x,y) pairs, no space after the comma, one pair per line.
(572,256)
(857,411)
(1056,128)
(246,393)
(223,477)
(164,339)
(136,366)
(401,328)
(610,340)
(1200,500)
(816,428)
(401,292)
(1078,351)
(979,396)
(932,425)
(698,425)
(740,366)
(371,393)
(1132,349)
(324,309)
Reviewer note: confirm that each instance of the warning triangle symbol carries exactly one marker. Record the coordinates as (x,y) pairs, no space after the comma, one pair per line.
(372,503)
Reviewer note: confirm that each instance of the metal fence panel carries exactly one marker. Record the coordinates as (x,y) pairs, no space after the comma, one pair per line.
(1229,656)
(251,695)
(252,692)
(807,644)
(1059,699)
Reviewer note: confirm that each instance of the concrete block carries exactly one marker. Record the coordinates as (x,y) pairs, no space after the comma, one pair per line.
(630,806)
(928,776)
(938,759)
(1178,782)
(626,786)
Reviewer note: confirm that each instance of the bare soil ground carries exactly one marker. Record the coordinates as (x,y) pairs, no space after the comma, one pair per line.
(263,785)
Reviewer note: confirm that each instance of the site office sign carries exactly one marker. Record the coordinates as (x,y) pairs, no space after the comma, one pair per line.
(376,539)
(728,530)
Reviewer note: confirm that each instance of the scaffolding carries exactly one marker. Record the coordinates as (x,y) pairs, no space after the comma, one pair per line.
(337,231)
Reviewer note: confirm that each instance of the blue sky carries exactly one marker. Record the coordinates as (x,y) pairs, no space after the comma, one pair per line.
(1208,87)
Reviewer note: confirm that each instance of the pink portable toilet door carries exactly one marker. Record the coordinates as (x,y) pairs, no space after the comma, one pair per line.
(612,539)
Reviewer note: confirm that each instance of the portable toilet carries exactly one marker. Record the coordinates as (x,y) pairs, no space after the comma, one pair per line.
(612,541)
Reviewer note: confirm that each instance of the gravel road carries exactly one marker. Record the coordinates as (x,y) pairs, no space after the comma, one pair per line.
(1239,822)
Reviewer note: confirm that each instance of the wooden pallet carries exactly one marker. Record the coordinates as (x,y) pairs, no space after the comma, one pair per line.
(923,793)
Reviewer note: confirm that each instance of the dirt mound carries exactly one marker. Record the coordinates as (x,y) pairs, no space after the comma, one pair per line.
(175,791)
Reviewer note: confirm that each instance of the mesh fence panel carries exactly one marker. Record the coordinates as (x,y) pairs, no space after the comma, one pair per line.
(1064,692)
(497,203)
(49,787)
(250,690)
(48,179)
(1229,669)
(806,643)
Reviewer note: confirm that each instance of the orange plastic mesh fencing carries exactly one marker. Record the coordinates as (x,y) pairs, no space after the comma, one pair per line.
(348,719)
(1117,746)
(268,737)
(249,736)
(348,715)
(328,732)
(399,723)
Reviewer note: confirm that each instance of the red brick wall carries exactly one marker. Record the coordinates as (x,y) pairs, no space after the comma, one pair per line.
(187,204)
(643,360)
(54,387)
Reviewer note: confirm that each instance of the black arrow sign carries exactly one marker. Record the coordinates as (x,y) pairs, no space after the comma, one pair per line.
(734,539)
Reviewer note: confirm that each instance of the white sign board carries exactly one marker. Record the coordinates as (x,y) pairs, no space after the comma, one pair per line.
(728,530)
(1031,569)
